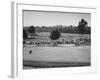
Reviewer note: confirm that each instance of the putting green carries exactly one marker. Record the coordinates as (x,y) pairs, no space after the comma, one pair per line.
(58,54)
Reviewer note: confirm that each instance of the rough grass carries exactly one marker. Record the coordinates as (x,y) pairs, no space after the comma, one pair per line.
(68,36)
(39,64)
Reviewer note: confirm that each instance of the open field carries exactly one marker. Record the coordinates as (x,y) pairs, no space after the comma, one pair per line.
(42,57)
(68,36)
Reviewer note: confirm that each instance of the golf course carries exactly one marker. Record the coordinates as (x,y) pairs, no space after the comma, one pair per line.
(68,56)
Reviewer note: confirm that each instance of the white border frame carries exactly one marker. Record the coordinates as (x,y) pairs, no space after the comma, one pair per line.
(17,67)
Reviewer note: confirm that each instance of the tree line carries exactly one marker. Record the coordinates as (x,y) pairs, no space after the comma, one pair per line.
(82,28)
(61,29)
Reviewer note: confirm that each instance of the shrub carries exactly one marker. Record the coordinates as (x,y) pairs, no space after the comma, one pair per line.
(55,35)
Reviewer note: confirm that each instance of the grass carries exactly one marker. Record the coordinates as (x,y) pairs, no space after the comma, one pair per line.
(47,57)
(39,64)
(67,36)
(57,56)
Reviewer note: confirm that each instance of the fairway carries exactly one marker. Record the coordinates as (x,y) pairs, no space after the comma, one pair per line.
(58,54)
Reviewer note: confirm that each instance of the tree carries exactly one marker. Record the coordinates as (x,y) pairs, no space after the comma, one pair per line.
(55,35)
(82,26)
(25,35)
(31,30)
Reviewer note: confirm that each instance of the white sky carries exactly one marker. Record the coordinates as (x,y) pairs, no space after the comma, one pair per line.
(43,18)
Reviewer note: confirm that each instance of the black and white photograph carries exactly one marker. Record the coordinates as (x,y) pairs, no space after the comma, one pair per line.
(54,39)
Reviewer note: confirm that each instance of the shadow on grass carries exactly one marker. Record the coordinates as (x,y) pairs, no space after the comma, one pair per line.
(43,64)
